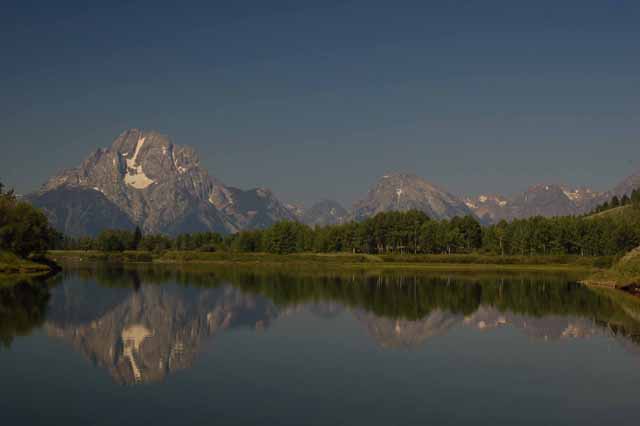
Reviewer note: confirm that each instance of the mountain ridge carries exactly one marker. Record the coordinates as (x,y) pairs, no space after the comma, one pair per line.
(144,179)
(407,191)
(546,200)
(161,187)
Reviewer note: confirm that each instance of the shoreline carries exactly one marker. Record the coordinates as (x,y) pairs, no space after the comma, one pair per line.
(14,269)
(624,275)
(357,262)
(608,279)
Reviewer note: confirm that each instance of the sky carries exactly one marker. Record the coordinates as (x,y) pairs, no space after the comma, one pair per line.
(319,99)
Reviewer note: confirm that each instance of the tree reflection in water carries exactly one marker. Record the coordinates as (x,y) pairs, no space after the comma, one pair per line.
(143,323)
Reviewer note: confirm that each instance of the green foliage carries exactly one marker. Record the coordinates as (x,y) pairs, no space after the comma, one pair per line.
(22,309)
(629,265)
(615,202)
(625,200)
(137,237)
(635,198)
(12,264)
(24,230)
(412,232)
(155,243)
(115,240)
(285,237)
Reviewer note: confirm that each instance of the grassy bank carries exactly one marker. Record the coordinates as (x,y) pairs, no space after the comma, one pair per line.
(468,262)
(624,273)
(13,268)
(99,256)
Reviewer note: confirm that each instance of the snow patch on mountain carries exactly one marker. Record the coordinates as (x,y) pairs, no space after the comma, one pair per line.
(135,176)
(404,192)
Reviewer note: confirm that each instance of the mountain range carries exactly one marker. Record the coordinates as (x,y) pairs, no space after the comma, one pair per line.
(144,179)
(546,200)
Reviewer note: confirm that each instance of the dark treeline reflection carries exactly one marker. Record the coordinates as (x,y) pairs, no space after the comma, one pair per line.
(23,308)
(143,322)
(398,295)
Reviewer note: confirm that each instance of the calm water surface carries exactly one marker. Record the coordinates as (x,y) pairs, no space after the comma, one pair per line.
(112,346)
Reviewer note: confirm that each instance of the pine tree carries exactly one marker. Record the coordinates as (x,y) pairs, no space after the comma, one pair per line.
(635,197)
(137,237)
(615,202)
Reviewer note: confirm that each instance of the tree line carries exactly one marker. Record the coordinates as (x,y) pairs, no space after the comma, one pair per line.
(25,231)
(411,232)
(23,307)
(616,202)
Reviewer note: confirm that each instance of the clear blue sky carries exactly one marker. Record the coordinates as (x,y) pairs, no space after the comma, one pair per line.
(317,99)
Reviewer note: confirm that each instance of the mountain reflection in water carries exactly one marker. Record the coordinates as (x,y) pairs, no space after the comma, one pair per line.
(142,324)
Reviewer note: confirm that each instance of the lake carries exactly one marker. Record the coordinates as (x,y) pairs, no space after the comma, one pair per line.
(115,345)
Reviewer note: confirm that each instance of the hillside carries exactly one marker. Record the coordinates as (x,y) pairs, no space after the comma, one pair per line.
(624,274)
(615,212)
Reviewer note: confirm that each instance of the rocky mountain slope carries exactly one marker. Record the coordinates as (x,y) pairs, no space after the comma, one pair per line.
(627,185)
(157,185)
(547,200)
(538,200)
(403,192)
(144,179)
(490,208)
(80,211)
(250,209)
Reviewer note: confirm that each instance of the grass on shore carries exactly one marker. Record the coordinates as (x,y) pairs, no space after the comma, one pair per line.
(461,262)
(13,268)
(613,213)
(625,272)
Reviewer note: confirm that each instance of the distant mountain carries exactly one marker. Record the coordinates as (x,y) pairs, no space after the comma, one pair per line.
(548,201)
(252,209)
(145,180)
(80,211)
(543,200)
(297,210)
(325,212)
(490,208)
(403,192)
(627,186)
(538,200)
(161,187)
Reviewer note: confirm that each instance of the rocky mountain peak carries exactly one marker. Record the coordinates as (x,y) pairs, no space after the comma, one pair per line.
(144,158)
(162,187)
(486,199)
(296,210)
(406,191)
(545,199)
(627,185)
